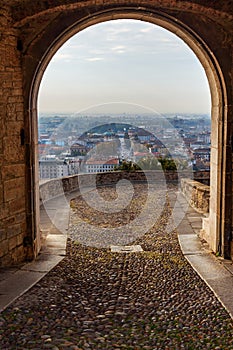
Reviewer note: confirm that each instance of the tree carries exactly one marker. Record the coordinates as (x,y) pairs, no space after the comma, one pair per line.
(149,163)
(127,166)
(167,164)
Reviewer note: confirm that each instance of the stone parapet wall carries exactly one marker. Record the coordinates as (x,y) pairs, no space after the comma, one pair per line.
(54,188)
(197,194)
(57,187)
(202,176)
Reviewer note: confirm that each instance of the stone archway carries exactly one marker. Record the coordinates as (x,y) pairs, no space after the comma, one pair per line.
(217,206)
(38,30)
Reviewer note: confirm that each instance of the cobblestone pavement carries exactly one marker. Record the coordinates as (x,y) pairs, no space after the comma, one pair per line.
(95,299)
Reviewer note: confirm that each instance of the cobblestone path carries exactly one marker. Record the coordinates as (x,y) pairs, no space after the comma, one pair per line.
(95,299)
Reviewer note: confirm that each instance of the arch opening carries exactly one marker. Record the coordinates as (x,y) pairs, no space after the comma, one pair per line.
(219,210)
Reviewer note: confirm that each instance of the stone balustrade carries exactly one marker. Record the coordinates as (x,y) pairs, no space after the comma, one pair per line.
(197,194)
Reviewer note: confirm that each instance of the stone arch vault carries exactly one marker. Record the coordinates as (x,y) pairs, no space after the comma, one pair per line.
(31,32)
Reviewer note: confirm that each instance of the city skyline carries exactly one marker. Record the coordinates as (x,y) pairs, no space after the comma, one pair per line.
(124,66)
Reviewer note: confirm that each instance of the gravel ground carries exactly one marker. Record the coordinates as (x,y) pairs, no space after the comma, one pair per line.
(95,299)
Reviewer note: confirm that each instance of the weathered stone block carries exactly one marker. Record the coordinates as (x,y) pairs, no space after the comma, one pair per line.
(3,235)
(13,151)
(10,220)
(4,248)
(14,188)
(19,107)
(18,254)
(15,99)
(13,128)
(18,205)
(13,230)
(12,242)
(20,116)
(12,56)
(17,83)
(20,218)
(13,171)
(4,212)
(11,112)
(6,260)
(7,84)
(20,238)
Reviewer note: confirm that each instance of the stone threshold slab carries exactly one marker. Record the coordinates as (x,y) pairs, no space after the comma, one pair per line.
(126,248)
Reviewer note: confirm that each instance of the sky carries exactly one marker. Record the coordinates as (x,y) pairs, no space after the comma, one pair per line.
(119,65)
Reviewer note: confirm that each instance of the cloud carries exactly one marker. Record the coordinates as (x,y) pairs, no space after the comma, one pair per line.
(71,44)
(165,40)
(118,49)
(62,57)
(94,59)
(108,40)
(97,52)
(147,29)
(117,31)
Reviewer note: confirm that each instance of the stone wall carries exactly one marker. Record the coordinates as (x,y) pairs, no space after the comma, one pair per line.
(197,194)
(202,177)
(12,147)
(57,187)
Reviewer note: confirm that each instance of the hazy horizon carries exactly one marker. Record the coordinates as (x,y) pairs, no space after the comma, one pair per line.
(111,114)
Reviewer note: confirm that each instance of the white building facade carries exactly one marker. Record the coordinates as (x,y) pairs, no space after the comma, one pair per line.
(101,166)
(51,169)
